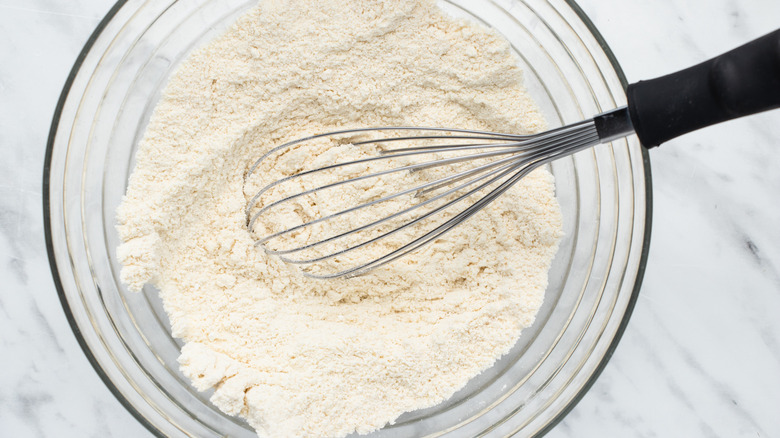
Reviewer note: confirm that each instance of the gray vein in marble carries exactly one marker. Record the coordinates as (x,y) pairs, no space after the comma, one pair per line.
(762,262)
(16,265)
(772,344)
(26,403)
(48,331)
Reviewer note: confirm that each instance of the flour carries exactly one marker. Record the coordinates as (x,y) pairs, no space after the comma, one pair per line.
(301,357)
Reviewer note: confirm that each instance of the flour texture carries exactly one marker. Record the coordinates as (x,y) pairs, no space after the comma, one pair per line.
(299,357)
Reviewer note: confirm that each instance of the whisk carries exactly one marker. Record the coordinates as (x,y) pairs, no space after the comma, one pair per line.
(404,187)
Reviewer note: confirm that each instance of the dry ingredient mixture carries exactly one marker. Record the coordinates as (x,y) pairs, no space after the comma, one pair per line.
(301,357)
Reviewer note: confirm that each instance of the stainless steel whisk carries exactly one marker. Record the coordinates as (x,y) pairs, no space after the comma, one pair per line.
(458,172)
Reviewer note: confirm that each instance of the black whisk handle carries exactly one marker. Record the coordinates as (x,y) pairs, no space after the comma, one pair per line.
(738,83)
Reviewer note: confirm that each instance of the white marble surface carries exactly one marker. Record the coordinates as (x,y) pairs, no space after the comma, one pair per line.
(701,356)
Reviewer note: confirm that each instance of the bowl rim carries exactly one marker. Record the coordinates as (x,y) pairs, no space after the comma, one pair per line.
(46,193)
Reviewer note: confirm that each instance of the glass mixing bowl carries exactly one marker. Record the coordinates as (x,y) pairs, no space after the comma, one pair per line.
(604,194)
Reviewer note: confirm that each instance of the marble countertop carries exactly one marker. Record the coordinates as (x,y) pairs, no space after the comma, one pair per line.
(700,358)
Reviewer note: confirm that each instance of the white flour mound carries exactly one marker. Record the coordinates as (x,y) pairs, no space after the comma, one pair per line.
(305,358)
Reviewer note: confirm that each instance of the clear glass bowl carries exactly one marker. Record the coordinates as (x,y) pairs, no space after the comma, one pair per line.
(604,194)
